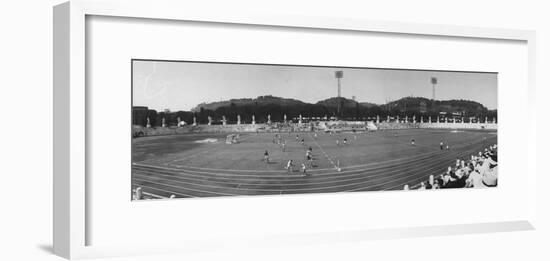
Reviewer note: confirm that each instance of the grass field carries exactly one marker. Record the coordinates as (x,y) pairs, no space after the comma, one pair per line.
(202,165)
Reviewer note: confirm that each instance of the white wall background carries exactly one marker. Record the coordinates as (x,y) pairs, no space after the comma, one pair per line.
(25,159)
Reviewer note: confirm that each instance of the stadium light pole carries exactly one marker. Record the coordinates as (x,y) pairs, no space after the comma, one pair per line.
(434,83)
(433,80)
(339,75)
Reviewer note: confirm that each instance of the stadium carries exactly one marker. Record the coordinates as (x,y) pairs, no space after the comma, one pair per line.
(210,161)
(272,145)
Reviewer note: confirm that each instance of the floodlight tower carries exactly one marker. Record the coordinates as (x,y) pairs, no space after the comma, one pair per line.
(434,83)
(339,75)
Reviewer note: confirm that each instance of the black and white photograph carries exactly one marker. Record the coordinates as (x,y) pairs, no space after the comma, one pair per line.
(209,129)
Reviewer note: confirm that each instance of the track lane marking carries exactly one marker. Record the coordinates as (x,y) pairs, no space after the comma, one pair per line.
(381,172)
(437,167)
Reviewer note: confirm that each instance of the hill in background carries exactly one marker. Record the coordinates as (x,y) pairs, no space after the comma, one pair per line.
(349,109)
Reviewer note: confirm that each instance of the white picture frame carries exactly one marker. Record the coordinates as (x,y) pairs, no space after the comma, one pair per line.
(70,143)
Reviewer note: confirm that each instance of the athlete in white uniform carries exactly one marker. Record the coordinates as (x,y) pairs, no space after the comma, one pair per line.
(289,166)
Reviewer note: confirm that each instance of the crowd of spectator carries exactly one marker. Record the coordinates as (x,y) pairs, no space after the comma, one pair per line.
(477,171)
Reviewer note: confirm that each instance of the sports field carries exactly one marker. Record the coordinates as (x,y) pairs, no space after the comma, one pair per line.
(203,165)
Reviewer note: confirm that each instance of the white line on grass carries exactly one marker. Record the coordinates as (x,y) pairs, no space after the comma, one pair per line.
(323,151)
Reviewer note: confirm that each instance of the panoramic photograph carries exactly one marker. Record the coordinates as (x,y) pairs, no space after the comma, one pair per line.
(209,129)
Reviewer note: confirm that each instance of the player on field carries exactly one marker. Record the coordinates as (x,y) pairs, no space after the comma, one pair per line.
(283,145)
(412,142)
(345,141)
(289,166)
(303,142)
(309,159)
(304,169)
(266,157)
(297,138)
(337,142)
(308,154)
(441,145)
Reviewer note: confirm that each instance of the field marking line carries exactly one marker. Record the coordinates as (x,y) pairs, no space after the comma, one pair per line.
(323,151)
(191,189)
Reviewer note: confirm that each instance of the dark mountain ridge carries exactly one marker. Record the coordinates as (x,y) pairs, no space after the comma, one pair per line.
(339,107)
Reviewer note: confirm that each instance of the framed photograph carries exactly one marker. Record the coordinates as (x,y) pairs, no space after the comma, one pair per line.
(206,130)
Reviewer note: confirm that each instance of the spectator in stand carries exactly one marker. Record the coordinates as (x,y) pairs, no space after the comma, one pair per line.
(460,178)
(445,179)
(422,186)
(474,180)
(490,176)
(436,184)
(431,182)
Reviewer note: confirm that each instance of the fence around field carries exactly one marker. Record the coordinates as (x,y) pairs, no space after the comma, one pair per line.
(138,131)
(448,125)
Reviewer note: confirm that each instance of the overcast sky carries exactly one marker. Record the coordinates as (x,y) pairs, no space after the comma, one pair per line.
(183,85)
